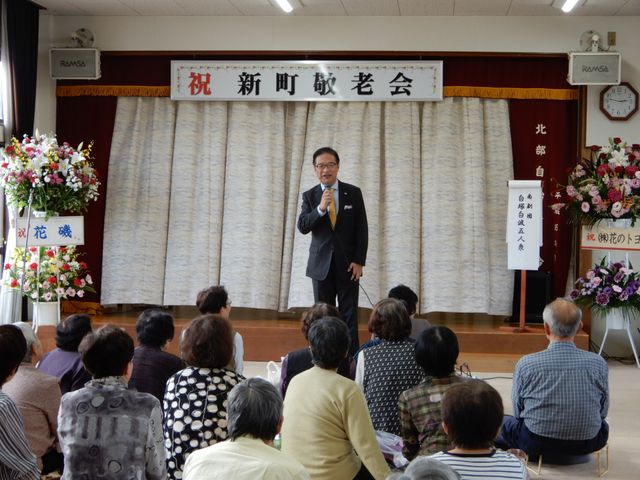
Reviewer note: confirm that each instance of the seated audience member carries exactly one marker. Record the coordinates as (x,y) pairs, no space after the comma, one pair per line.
(420,418)
(195,400)
(152,366)
(422,468)
(254,417)
(64,362)
(560,395)
(386,370)
(215,300)
(327,426)
(105,429)
(16,459)
(37,396)
(472,413)
(410,299)
(300,360)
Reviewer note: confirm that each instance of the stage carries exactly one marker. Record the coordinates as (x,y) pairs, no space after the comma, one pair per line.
(487,343)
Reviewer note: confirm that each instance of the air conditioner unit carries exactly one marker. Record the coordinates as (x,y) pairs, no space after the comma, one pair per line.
(74,63)
(594,68)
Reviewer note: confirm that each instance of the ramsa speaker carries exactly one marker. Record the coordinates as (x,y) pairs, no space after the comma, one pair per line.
(594,68)
(74,63)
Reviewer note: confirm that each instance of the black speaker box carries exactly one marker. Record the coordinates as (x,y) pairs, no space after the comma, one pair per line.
(537,297)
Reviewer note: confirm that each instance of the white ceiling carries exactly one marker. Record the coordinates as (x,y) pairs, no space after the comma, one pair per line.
(391,8)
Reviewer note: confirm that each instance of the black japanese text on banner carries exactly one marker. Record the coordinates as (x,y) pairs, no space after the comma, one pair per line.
(307,81)
(524,224)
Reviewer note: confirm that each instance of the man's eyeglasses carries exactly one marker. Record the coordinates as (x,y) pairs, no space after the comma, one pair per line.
(328,166)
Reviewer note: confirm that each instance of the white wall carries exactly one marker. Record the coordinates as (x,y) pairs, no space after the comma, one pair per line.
(426,34)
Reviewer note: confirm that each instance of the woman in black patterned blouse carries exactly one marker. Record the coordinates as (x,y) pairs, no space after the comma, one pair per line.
(194,401)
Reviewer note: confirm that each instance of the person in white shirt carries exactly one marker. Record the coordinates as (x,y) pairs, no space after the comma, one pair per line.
(254,419)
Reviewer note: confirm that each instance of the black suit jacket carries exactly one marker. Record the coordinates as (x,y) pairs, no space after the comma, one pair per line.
(348,242)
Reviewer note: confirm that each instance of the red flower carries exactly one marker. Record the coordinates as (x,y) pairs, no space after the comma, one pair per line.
(51,253)
(83,265)
(9,149)
(5,164)
(602,170)
(33,249)
(33,266)
(602,156)
(52,279)
(631,157)
(617,140)
(77,282)
(595,148)
(13,283)
(635,146)
(619,169)
(631,170)
(614,195)
(66,267)
(7,266)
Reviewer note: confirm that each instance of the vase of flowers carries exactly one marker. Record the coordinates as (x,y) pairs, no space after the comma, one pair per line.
(56,178)
(48,274)
(611,290)
(605,186)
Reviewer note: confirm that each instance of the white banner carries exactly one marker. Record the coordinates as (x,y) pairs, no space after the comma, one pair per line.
(57,231)
(524,224)
(307,81)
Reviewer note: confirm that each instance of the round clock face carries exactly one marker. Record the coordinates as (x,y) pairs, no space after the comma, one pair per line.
(619,102)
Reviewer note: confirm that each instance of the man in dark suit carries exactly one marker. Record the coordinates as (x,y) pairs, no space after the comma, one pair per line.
(334,213)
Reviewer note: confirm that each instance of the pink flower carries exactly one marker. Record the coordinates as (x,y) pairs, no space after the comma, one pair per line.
(617,210)
(585,207)
(596,281)
(635,183)
(571,191)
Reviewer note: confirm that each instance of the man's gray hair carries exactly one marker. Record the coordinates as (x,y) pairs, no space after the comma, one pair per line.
(254,409)
(29,336)
(425,468)
(563,317)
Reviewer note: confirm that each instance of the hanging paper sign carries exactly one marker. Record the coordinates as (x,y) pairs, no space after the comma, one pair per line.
(524,224)
(307,81)
(57,231)
(603,237)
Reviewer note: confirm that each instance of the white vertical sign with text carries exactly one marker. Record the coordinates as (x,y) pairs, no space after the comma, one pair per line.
(524,224)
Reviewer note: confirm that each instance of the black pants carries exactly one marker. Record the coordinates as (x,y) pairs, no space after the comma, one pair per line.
(338,284)
(514,434)
(363,474)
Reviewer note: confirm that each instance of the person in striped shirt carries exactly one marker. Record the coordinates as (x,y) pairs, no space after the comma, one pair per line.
(472,414)
(16,459)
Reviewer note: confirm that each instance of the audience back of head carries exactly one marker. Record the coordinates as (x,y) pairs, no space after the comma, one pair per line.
(13,348)
(154,327)
(390,320)
(107,352)
(254,409)
(30,338)
(212,299)
(329,342)
(71,331)
(207,342)
(316,312)
(408,296)
(563,317)
(472,414)
(437,351)
(424,468)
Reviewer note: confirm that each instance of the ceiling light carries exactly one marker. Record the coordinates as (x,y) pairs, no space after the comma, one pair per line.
(286,6)
(568,5)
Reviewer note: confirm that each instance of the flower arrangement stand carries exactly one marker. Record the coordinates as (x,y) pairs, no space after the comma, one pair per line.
(617,321)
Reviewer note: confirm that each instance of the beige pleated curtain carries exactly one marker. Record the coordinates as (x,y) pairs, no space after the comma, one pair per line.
(203,193)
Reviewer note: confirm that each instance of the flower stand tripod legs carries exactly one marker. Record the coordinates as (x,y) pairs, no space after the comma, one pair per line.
(615,321)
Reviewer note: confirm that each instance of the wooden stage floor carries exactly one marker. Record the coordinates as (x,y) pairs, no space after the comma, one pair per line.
(486,342)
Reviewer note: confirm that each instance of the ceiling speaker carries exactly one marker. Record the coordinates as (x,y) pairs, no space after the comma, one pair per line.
(74,63)
(594,68)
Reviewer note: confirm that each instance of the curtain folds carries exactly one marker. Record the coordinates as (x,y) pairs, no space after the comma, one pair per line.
(433,176)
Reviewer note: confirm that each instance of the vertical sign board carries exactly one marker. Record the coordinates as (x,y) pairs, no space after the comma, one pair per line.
(524,224)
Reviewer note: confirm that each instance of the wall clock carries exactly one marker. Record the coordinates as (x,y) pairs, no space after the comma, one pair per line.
(619,102)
